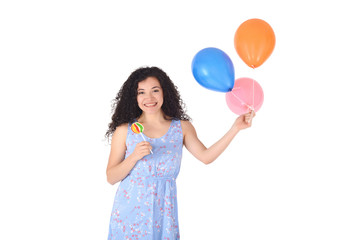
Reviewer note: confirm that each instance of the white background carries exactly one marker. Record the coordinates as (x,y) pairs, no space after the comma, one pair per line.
(293,175)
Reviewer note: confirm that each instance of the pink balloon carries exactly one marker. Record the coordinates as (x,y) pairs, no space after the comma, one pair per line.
(240,99)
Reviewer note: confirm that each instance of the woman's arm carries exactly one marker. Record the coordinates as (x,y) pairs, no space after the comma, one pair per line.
(118,167)
(208,155)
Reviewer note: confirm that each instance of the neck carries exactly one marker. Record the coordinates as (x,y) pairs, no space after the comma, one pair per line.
(151,118)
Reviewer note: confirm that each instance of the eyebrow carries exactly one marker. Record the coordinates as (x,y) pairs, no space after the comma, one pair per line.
(151,88)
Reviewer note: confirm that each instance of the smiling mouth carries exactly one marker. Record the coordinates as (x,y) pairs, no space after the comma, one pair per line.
(150,104)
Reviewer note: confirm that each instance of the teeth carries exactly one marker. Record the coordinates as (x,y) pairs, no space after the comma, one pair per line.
(150,104)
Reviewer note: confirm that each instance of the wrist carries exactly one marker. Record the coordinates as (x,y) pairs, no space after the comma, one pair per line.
(235,129)
(133,158)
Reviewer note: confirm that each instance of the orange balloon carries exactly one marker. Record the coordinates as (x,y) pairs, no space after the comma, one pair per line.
(254,42)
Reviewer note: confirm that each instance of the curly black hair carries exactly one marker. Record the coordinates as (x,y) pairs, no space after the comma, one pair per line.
(125,107)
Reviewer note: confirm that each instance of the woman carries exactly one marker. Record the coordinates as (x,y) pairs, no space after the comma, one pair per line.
(145,205)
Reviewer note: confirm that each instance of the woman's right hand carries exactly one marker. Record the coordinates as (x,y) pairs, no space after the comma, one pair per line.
(141,149)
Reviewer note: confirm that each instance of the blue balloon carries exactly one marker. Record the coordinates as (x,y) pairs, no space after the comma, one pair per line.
(213,69)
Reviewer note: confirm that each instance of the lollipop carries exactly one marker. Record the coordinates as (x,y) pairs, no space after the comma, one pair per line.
(138,128)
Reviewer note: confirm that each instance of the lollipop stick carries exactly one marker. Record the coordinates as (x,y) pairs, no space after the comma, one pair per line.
(145,140)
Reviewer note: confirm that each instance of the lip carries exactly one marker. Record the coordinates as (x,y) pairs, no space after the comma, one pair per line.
(149,105)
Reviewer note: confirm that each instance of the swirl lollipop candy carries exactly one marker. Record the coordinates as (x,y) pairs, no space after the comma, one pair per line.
(138,128)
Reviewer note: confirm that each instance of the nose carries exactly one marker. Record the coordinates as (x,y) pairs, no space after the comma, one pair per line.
(149,95)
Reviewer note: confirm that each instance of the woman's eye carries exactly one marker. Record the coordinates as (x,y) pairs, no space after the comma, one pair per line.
(156,90)
(140,93)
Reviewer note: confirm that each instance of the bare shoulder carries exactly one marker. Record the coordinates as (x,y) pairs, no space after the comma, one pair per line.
(186,127)
(185,124)
(120,133)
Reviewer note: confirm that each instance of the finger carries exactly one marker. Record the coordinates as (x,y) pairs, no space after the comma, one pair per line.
(251,115)
(144,143)
(147,151)
(149,146)
(146,147)
(144,151)
(248,120)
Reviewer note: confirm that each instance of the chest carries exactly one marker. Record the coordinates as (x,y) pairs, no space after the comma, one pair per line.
(156,131)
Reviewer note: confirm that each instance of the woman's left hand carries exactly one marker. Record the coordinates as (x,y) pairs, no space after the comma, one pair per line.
(244,121)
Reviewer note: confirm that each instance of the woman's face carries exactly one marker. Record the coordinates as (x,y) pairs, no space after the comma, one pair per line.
(150,95)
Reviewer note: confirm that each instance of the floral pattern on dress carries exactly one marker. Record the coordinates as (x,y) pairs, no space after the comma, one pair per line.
(145,205)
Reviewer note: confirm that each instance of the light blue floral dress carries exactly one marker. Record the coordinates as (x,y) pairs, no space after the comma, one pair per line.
(145,205)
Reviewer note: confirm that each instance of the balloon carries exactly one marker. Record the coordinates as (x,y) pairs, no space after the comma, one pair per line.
(213,69)
(254,42)
(240,100)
